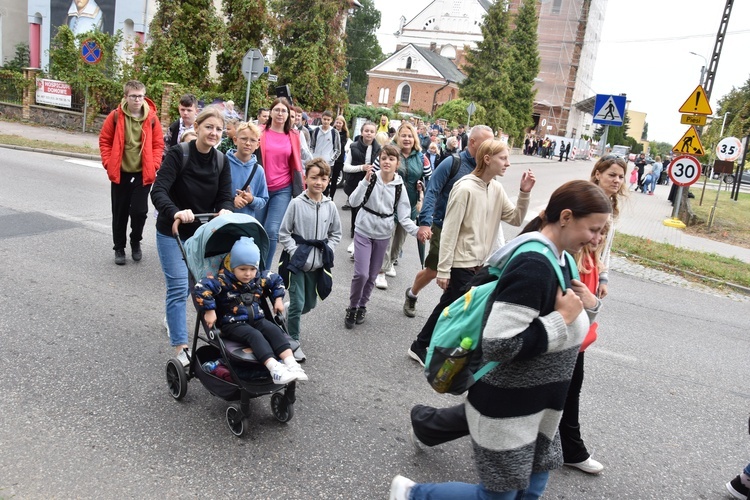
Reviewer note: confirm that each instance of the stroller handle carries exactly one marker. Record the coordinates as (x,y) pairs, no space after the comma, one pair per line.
(202,218)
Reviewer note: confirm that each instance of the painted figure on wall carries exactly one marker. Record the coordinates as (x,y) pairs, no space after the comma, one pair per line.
(85,15)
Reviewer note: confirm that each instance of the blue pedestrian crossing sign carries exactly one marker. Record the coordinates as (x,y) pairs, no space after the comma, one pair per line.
(609,109)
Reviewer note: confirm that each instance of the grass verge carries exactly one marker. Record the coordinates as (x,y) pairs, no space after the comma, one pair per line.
(687,263)
(17,140)
(731,222)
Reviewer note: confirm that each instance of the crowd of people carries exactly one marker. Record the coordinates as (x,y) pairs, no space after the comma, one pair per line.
(442,187)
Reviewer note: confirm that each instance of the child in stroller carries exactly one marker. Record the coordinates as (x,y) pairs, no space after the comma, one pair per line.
(233,298)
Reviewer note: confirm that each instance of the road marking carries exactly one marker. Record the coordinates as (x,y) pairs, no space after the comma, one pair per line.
(612,354)
(85,163)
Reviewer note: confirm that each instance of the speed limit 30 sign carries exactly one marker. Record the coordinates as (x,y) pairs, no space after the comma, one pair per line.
(684,170)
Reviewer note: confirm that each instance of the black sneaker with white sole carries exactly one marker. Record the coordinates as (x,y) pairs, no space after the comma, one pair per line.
(417,354)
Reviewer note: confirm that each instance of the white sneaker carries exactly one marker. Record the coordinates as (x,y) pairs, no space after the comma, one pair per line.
(589,466)
(281,374)
(400,488)
(381,282)
(298,372)
(166,327)
(350,248)
(391,272)
(183,357)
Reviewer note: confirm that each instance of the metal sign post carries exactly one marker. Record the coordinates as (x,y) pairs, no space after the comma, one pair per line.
(252,67)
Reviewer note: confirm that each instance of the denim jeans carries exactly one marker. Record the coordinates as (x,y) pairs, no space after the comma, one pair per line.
(271,216)
(466,491)
(176,278)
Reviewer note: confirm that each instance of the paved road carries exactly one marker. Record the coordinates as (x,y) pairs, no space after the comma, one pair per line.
(85,412)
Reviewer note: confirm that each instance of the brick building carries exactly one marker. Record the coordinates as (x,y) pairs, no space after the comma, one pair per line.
(568,37)
(416,78)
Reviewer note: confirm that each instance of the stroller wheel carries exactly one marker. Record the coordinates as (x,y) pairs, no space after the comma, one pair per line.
(235,421)
(177,379)
(282,409)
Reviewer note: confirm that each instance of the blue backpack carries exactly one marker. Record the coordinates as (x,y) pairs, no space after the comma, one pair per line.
(467,316)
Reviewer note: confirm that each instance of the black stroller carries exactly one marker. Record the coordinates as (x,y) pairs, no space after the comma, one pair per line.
(250,379)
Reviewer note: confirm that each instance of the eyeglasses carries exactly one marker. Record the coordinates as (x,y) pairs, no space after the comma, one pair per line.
(136,97)
(247,140)
(613,157)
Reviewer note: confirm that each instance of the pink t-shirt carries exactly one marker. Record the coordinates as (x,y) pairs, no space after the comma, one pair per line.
(276,159)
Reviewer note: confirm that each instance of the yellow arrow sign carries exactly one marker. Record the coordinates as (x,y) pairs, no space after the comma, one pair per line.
(690,144)
(697,103)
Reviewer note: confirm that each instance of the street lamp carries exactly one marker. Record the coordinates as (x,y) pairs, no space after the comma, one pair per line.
(703,69)
(723,122)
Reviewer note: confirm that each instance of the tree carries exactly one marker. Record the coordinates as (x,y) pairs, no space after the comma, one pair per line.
(309,50)
(242,36)
(455,112)
(183,35)
(20,59)
(523,68)
(487,70)
(362,48)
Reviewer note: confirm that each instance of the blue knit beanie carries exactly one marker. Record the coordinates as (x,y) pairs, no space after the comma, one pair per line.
(245,253)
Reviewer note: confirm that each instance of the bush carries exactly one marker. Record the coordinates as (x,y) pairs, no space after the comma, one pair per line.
(370,112)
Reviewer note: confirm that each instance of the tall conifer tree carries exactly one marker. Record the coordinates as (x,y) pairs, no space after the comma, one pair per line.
(309,51)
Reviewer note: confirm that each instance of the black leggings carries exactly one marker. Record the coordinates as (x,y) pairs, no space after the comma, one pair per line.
(263,337)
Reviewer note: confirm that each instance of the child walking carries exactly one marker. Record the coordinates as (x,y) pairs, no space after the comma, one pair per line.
(380,196)
(231,300)
(309,233)
(633,179)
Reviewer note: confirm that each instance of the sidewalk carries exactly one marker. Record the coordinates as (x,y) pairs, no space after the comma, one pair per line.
(640,215)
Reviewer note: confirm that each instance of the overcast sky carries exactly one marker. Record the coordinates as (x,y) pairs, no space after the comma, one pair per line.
(645,53)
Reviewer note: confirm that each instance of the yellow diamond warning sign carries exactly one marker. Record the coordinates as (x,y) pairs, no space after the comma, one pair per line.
(690,144)
(697,103)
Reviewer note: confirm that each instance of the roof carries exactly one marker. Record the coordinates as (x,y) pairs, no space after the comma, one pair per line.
(445,66)
(486,4)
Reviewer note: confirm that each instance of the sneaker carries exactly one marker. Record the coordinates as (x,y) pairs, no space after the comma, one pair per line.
(590,466)
(120,257)
(400,488)
(349,319)
(417,354)
(381,282)
(391,272)
(346,206)
(166,327)
(410,304)
(281,375)
(350,248)
(737,489)
(299,356)
(418,445)
(359,316)
(184,358)
(298,372)
(135,249)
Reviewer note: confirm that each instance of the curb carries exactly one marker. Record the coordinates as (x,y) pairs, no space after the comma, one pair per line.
(681,272)
(82,156)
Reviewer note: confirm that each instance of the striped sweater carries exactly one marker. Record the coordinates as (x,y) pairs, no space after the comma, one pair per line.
(514,411)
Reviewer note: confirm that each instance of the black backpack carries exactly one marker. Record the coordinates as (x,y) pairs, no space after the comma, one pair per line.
(370,187)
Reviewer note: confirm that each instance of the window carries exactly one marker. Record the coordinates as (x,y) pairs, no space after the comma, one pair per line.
(383,95)
(556,6)
(408,63)
(405,94)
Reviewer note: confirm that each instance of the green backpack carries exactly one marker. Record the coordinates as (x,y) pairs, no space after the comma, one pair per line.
(466,317)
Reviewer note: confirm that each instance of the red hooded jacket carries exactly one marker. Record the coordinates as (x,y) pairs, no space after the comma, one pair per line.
(112,143)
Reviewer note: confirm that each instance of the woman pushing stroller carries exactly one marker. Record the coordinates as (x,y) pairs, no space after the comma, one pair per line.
(232,300)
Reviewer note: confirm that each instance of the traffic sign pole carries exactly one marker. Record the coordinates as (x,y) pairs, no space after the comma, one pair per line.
(684,170)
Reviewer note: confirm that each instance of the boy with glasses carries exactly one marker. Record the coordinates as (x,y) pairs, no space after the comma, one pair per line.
(131,147)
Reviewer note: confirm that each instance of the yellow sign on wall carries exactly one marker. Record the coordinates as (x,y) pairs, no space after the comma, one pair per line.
(697,103)
(689,143)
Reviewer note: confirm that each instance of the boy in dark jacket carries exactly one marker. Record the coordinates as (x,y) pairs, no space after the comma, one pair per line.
(309,233)
(234,298)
